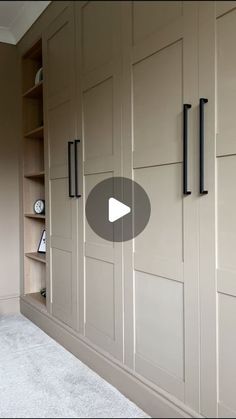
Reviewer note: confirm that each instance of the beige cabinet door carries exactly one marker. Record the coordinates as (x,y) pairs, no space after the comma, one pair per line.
(217,232)
(59,64)
(99,63)
(207,212)
(161,265)
(225,168)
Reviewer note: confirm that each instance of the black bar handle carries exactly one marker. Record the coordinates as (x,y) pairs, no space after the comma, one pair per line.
(70,144)
(77,194)
(202,102)
(185,149)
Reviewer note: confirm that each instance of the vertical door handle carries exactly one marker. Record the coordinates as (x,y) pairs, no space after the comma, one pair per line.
(77,194)
(185,149)
(70,145)
(202,146)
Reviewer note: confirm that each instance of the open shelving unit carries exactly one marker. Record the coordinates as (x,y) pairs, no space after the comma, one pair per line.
(35,92)
(35,133)
(33,176)
(36,256)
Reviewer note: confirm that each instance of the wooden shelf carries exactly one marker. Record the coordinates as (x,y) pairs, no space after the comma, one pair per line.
(39,257)
(37,300)
(35,175)
(36,92)
(35,133)
(33,178)
(37,216)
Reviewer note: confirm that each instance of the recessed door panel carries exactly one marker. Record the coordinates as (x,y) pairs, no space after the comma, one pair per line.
(97,43)
(163,237)
(227,350)
(62,285)
(58,130)
(157,107)
(151,16)
(226,84)
(98,120)
(91,237)
(58,58)
(61,209)
(100,303)
(159,319)
(226,213)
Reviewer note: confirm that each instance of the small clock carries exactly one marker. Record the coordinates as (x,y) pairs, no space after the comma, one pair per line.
(39,206)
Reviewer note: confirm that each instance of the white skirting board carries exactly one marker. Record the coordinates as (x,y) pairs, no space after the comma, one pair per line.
(9,305)
(150,401)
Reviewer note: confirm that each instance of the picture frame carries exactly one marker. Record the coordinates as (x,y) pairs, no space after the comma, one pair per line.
(42,243)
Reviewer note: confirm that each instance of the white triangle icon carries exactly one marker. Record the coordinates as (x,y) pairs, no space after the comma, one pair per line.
(117,210)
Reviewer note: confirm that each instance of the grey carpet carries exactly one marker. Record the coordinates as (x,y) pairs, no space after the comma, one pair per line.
(40,379)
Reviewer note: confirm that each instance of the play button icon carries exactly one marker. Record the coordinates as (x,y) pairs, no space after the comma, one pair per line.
(117,209)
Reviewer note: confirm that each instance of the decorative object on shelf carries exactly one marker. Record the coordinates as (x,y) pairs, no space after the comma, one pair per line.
(42,243)
(39,207)
(39,76)
(43,292)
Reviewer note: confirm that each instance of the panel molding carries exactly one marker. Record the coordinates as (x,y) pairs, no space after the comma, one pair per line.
(156,374)
(169,35)
(165,268)
(110,347)
(226,282)
(223,7)
(99,165)
(97,251)
(98,76)
(151,157)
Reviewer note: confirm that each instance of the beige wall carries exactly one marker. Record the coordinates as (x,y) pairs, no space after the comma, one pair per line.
(9,177)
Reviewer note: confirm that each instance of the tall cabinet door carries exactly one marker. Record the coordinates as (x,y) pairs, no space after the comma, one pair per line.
(222,162)
(217,84)
(207,208)
(59,62)
(100,69)
(161,285)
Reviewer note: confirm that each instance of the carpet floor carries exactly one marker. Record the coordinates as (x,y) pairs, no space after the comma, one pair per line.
(40,379)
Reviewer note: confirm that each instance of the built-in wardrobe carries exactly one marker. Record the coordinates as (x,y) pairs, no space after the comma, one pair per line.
(144,90)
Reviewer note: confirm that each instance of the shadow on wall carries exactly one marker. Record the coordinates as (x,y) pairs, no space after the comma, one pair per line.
(9,179)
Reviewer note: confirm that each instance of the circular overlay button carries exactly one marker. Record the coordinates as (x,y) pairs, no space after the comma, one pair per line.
(118,209)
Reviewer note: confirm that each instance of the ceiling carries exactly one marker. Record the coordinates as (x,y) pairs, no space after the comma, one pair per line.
(16,17)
